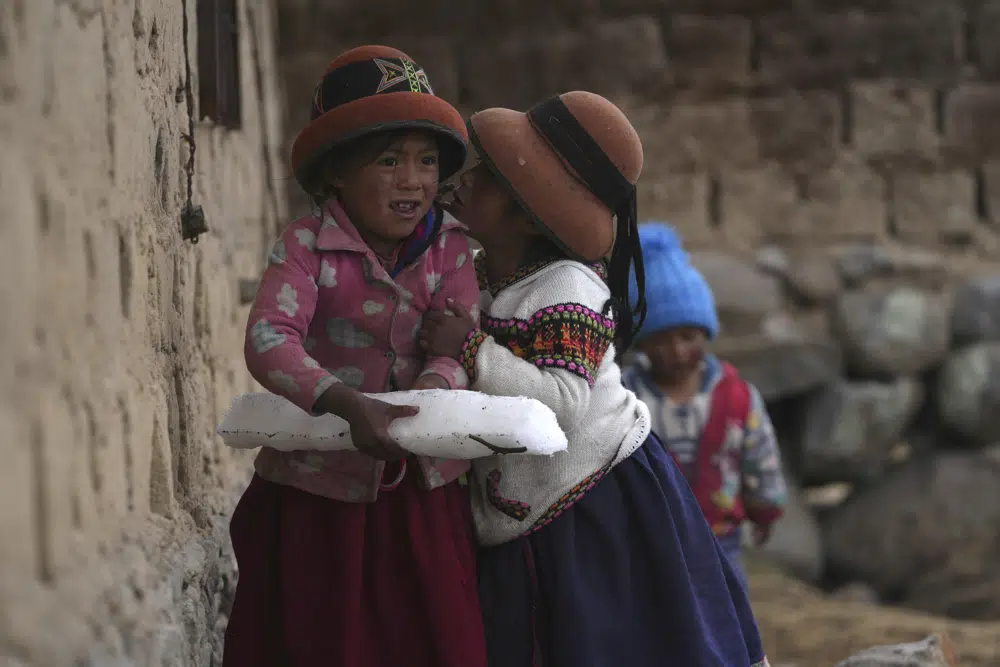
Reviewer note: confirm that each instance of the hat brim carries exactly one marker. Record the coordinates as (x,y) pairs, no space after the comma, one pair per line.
(541,183)
(379,113)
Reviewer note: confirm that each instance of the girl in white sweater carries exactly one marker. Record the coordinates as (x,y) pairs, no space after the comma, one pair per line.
(598,556)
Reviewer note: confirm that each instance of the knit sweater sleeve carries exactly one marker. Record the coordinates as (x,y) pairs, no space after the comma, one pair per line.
(552,348)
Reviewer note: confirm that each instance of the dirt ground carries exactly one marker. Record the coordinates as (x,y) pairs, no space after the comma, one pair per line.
(803,628)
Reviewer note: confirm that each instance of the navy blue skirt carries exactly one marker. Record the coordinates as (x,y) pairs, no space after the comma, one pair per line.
(629,575)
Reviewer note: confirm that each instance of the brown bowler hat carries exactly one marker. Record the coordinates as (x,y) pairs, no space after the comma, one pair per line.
(572,162)
(370,89)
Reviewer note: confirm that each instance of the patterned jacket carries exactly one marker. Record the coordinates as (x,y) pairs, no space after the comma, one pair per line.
(723,441)
(327,311)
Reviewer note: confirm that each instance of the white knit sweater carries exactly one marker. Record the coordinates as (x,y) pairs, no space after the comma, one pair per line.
(562,355)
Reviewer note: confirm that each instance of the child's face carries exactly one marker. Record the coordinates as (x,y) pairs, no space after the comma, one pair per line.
(387,196)
(675,353)
(482,203)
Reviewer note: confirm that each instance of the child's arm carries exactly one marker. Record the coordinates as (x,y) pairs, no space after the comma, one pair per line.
(458,284)
(275,348)
(569,339)
(764,491)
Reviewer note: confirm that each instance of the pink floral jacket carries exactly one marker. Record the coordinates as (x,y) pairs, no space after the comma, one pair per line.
(327,311)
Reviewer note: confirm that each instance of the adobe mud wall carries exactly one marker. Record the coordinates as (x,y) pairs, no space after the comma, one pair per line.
(123,341)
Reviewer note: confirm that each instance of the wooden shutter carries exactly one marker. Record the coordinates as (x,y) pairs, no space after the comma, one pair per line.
(219,62)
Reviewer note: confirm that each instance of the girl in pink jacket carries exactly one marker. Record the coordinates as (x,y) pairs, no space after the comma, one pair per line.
(339,552)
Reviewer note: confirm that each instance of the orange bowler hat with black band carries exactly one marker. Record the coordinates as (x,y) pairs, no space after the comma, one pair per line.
(372,89)
(541,157)
(572,162)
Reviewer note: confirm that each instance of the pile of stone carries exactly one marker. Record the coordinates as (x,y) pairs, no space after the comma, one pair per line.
(932,651)
(882,370)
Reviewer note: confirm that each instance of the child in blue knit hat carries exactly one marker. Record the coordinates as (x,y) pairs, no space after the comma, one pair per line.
(712,422)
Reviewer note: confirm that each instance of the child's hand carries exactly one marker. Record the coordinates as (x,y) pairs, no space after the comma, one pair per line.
(430,381)
(443,335)
(369,419)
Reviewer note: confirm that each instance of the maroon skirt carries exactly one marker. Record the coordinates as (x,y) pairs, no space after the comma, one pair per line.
(324,583)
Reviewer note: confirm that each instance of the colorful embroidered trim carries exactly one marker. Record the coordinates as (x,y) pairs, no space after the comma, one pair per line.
(524,271)
(470,348)
(391,486)
(569,498)
(568,336)
(600,268)
(515,509)
(479,263)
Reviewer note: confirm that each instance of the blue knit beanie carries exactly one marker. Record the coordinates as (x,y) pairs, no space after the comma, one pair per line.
(676,292)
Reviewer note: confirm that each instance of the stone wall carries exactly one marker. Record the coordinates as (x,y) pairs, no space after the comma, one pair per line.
(124,341)
(763,120)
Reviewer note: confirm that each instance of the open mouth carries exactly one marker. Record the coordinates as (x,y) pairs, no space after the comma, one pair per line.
(404,208)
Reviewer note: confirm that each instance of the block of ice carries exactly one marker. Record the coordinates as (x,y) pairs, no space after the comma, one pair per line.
(450,424)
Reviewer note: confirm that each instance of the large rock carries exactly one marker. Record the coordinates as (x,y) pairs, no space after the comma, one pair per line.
(928,652)
(976,316)
(862,263)
(900,331)
(744,295)
(780,368)
(796,544)
(968,393)
(849,428)
(811,275)
(926,536)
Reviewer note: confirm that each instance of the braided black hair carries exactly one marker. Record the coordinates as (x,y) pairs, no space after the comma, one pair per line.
(627,253)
